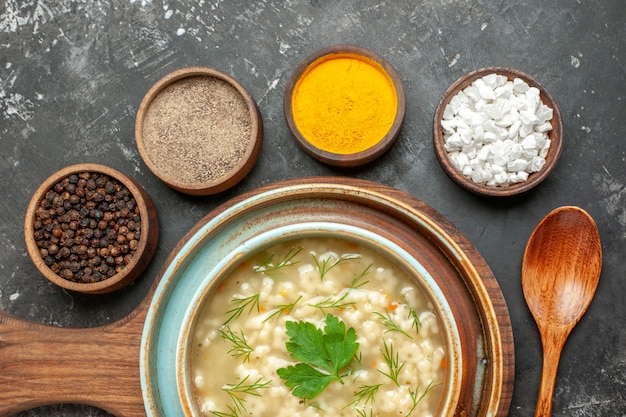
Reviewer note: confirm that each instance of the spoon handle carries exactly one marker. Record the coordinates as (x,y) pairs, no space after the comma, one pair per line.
(552,341)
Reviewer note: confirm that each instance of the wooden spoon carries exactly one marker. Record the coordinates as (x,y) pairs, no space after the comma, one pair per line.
(560,274)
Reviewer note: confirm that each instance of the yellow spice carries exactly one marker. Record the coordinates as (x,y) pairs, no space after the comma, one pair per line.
(344,103)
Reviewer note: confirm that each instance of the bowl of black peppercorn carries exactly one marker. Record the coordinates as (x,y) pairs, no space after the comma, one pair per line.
(91,229)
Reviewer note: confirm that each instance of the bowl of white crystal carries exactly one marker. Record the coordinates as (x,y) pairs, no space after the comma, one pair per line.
(497,132)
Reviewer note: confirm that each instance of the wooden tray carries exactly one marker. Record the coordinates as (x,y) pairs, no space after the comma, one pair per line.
(41,365)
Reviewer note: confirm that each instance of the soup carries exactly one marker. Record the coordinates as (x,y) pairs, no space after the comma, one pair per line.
(318,327)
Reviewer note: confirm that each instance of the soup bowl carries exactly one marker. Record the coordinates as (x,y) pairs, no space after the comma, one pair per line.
(366,305)
(461,291)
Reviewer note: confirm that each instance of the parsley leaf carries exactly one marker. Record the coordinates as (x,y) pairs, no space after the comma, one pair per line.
(322,355)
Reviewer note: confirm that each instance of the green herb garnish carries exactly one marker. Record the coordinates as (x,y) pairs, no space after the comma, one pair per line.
(237,393)
(365,395)
(282,309)
(232,412)
(327,264)
(357,281)
(268,264)
(415,320)
(362,413)
(333,302)
(322,355)
(241,303)
(387,320)
(240,348)
(415,398)
(393,363)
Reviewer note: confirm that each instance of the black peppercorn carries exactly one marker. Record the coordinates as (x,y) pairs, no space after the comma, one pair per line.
(84,219)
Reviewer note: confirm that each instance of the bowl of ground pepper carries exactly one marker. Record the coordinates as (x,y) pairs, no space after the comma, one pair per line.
(91,229)
(199,130)
(345,105)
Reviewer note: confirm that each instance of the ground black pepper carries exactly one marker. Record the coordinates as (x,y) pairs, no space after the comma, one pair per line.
(87,227)
(197,129)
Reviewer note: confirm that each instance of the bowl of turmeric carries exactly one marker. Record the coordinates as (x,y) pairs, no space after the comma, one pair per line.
(345,105)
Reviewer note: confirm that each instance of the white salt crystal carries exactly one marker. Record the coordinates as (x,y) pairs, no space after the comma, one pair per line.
(470,93)
(514,129)
(517,165)
(495,130)
(525,130)
(515,152)
(545,127)
(501,179)
(490,137)
(504,91)
(520,85)
(448,112)
(483,153)
(536,164)
(481,175)
(543,114)
(486,92)
(529,142)
(453,142)
(494,80)
(508,119)
(449,125)
(462,160)
(517,177)
(527,117)
(466,115)
(497,169)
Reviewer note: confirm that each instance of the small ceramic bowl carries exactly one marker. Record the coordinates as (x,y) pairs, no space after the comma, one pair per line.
(199,131)
(139,257)
(555,135)
(315,105)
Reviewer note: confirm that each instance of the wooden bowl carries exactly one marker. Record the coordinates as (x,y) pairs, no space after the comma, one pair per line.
(555,135)
(146,245)
(374,63)
(481,368)
(187,138)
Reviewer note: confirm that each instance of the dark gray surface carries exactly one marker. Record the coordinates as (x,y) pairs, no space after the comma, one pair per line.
(72,74)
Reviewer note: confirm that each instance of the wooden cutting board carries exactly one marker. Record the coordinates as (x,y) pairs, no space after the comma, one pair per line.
(43,365)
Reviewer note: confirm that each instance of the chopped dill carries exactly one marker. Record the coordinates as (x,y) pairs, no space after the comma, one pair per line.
(240,305)
(327,264)
(387,320)
(358,282)
(393,362)
(415,398)
(237,391)
(240,347)
(333,302)
(268,265)
(282,309)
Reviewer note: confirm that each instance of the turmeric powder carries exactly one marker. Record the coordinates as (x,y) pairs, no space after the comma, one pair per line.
(344,103)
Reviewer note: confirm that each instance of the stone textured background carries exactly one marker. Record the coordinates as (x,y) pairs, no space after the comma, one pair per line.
(73,72)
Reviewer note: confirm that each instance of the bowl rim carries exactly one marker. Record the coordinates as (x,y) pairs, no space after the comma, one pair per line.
(147,241)
(239,170)
(379,244)
(555,135)
(357,158)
